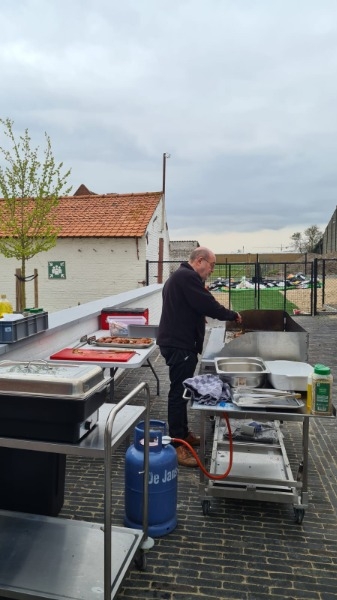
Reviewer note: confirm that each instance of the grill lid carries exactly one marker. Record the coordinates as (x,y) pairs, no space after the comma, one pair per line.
(46,378)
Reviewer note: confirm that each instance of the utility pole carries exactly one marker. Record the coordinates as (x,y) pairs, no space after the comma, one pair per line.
(165,156)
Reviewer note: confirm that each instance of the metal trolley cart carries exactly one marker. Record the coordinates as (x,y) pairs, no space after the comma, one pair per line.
(48,557)
(259,471)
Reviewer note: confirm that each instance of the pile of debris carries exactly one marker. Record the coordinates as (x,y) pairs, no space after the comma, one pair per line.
(297,281)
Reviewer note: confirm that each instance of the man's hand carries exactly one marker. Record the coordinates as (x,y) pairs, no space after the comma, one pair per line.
(238,318)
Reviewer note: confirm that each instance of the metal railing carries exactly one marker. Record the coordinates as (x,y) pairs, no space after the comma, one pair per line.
(305,288)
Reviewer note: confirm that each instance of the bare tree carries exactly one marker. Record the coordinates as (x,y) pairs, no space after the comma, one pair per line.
(313,235)
(30,190)
(308,240)
(297,241)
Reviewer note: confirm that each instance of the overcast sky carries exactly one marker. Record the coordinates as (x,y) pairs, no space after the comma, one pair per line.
(241,93)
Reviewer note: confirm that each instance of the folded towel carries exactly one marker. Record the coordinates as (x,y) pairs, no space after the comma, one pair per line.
(208,389)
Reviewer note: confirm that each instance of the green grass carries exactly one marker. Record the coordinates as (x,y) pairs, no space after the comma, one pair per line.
(242,299)
(233,271)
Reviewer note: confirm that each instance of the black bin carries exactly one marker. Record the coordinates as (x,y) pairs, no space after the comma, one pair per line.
(32,481)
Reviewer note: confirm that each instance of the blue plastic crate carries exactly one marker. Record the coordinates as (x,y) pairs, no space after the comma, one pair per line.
(13,331)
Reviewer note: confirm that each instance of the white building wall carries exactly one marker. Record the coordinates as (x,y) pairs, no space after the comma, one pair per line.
(157,229)
(95,268)
(181,250)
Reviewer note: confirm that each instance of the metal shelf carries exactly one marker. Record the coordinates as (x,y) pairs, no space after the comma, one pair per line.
(47,557)
(53,558)
(259,471)
(93,444)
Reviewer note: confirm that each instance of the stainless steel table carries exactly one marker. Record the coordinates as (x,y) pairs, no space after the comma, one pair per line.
(259,471)
(54,558)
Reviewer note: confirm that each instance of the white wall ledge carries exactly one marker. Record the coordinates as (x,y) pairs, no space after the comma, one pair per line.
(68,325)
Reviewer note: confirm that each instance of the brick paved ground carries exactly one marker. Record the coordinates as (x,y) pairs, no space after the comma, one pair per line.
(243,550)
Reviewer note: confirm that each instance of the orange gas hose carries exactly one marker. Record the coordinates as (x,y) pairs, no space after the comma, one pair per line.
(200,465)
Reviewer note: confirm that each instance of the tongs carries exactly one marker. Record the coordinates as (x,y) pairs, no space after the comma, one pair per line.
(261,395)
(266,393)
(91,340)
(85,340)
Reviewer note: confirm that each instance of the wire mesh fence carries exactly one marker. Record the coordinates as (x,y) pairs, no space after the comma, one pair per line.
(305,288)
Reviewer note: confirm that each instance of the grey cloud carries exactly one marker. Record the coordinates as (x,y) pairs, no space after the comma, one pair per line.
(242,94)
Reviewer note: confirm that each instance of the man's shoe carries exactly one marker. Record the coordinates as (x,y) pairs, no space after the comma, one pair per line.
(192,439)
(185,458)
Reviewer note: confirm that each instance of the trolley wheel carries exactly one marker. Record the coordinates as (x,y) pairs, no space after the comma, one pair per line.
(299,476)
(299,515)
(140,561)
(212,422)
(206,507)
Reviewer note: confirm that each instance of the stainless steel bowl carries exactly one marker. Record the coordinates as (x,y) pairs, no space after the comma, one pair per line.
(242,371)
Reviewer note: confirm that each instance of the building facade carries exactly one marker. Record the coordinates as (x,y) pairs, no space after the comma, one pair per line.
(101,250)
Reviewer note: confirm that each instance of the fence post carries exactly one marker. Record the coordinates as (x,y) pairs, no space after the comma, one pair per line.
(257,285)
(36,289)
(314,281)
(312,290)
(285,287)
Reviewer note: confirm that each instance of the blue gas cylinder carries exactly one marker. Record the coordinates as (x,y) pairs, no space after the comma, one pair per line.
(163,482)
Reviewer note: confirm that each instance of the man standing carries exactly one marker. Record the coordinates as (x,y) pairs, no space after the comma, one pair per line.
(186,303)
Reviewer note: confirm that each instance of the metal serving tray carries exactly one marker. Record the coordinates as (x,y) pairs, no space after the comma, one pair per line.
(270,404)
(130,345)
(241,371)
(44,378)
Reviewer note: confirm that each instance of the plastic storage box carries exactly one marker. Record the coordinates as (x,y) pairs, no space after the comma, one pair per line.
(123,312)
(12,331)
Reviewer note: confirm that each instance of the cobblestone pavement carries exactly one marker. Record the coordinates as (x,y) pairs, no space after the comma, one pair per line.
(242,550)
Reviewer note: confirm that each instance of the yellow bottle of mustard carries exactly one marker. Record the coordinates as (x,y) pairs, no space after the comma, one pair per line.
(5,306)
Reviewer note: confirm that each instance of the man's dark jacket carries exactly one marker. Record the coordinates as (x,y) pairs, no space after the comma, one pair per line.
(186,303)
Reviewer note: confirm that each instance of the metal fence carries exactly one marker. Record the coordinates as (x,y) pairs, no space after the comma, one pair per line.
(306,288)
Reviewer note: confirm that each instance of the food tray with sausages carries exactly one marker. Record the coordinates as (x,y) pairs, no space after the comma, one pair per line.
(123,342)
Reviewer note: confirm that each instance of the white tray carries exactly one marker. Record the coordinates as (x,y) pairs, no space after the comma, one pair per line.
(289,375)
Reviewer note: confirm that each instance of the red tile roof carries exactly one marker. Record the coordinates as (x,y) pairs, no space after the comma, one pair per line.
(83,191)
(117,215)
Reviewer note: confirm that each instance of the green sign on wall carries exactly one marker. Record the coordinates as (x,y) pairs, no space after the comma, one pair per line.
(56,269)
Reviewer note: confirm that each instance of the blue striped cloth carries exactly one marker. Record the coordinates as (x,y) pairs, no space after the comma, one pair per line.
(208,389)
